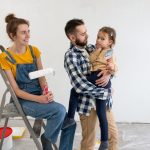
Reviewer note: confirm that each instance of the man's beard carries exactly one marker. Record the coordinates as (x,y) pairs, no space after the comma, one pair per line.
(81,44)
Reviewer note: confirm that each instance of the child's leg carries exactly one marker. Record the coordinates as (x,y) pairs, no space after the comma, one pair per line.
(73,101)
(101,113)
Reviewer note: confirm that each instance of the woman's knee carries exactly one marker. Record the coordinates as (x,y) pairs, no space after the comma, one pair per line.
(61,110)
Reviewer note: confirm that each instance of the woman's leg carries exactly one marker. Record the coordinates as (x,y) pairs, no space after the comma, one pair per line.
(73,101)
(53,112)
(67,138)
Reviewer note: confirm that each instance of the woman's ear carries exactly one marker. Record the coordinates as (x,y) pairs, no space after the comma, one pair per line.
(12,36)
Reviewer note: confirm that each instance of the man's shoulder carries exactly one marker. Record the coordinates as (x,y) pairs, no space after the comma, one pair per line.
(72,52)
(90,48)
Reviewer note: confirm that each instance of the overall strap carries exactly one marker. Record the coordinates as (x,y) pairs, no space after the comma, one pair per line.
(10,58)
(33,56)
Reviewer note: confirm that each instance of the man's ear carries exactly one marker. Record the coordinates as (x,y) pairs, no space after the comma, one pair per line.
(72,37)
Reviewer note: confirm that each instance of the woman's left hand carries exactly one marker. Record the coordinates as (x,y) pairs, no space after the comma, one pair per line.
(50,96)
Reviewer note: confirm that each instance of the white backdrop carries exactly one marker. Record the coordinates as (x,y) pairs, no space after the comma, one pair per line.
(129,18)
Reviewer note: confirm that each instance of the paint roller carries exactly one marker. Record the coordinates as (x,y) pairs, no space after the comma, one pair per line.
(41,73)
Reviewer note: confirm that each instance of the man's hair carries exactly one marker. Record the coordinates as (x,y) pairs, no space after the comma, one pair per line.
(72,24)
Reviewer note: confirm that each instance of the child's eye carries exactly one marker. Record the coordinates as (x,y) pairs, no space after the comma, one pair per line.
(98,37)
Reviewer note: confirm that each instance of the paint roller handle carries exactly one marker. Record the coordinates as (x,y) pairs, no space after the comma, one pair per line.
(45,90)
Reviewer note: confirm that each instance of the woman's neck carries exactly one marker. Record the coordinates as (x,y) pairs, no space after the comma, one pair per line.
(18,49)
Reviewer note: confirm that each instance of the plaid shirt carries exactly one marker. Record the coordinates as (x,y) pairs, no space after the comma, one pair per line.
(77,66)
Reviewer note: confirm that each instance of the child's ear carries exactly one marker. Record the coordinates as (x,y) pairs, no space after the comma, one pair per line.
(111,42)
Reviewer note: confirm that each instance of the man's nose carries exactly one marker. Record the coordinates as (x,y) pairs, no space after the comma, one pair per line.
(87,35)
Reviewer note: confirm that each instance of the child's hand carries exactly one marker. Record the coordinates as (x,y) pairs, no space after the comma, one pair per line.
(110,65)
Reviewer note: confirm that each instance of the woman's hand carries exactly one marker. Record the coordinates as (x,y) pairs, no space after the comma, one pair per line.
(47,98)
(102,81)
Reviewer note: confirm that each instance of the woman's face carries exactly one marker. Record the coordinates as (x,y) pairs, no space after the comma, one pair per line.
(22,35)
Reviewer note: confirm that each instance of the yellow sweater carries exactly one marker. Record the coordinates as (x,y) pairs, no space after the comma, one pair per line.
(25,58)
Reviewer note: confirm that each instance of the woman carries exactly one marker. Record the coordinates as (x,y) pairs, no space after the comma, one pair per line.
(20,59)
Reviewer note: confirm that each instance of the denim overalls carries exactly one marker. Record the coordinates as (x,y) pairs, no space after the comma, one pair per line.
(53,111)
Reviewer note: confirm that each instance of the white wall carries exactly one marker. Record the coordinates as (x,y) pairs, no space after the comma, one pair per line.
(129,18)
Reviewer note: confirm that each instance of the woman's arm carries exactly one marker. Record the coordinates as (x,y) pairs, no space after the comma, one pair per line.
(24,95)
(42,80)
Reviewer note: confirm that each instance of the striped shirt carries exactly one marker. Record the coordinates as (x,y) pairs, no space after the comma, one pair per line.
(78,67)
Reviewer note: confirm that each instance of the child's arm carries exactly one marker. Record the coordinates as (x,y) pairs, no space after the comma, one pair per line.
(111,65)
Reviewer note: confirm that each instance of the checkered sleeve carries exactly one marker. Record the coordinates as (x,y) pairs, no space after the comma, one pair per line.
(72,64)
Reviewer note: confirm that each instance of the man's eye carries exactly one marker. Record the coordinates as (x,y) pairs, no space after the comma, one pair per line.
(83,34)
(23,32)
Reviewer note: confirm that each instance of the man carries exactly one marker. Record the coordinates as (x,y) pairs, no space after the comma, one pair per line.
(77,66)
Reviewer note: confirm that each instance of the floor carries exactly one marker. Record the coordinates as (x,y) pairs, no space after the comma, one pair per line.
(131,137)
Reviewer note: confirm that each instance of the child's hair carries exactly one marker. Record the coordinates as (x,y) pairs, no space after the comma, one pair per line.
(13,23)
(111,33)
(71,25)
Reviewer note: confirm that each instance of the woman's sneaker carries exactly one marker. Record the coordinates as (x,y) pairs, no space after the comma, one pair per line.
(68,122)
(46,143)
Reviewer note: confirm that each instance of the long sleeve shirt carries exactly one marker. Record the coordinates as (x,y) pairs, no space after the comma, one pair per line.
(78,67)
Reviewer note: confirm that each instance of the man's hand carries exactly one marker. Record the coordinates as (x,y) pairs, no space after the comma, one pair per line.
(104,79)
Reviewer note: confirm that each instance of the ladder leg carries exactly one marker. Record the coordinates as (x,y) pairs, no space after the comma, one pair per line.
(3,133)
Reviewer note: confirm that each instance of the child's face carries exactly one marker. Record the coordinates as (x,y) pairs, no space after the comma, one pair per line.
(103,41)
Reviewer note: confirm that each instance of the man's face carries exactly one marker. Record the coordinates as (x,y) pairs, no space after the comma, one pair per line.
(80,36)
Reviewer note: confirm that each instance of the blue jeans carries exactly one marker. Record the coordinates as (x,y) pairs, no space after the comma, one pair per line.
(55,114)
(67,138)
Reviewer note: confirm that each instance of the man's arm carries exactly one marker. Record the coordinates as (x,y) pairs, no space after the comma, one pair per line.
(78,79)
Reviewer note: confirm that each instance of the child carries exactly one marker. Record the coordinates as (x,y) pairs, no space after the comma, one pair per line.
(102,59)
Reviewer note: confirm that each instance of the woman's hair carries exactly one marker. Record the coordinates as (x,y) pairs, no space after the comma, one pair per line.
(13,23)
(111,33)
